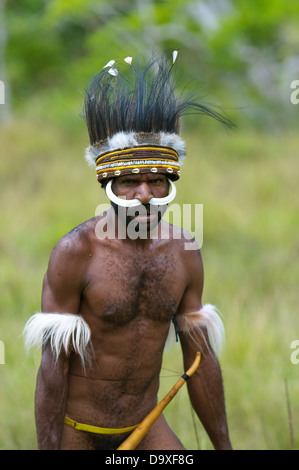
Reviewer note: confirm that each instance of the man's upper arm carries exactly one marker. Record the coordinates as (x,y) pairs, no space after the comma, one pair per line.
(63,280)
(191,304)
(192,299)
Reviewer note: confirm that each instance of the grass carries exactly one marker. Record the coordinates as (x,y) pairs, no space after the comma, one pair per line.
(247,183)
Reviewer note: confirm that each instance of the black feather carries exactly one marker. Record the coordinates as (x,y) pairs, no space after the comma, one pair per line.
(143,100)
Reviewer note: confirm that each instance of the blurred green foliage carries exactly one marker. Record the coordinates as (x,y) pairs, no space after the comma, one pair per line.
(242,54)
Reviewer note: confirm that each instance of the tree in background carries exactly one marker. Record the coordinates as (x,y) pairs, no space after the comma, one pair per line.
(246,53)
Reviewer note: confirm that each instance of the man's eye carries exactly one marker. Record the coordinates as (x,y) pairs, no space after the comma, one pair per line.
(157,181)
(128,181)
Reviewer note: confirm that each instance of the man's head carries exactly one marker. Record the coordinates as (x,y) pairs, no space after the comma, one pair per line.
(133,122)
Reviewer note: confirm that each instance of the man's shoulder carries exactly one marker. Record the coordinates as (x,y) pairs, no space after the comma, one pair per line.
(77,242)
(180,238)
(69,258)
(188,251)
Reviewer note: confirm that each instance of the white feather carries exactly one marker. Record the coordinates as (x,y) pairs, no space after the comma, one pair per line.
(64,331)
(91,154)
(174,141)
(207,317)
(122,140)
(109,64)
(113,71)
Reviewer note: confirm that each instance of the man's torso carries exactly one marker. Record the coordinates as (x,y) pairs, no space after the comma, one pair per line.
(128,298)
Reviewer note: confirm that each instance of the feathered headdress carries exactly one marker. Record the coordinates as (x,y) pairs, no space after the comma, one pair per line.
(133,120)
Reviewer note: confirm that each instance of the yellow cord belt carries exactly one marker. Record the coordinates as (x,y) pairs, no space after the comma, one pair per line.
(96,429)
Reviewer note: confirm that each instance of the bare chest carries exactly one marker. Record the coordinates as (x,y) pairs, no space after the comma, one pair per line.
(123,287)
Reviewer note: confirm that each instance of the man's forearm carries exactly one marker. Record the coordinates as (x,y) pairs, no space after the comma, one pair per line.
(49,413)
(207,398)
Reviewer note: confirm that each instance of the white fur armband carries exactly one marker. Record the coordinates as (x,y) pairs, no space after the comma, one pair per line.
(207,317)
(63,330)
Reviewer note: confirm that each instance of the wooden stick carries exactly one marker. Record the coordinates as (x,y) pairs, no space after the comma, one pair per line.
(138,434)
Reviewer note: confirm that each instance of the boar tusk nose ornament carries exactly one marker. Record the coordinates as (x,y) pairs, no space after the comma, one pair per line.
(135,202)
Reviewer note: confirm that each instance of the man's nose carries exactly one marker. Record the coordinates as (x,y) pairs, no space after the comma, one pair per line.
(144,193)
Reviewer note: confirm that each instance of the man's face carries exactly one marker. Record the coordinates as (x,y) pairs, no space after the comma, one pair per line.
(144,188)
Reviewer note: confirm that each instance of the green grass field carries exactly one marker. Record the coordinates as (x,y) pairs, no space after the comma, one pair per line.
(248,185)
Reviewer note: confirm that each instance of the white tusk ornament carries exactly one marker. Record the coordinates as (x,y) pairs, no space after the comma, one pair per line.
(135,202)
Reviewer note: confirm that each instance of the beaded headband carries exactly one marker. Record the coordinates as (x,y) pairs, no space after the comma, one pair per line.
(139,159)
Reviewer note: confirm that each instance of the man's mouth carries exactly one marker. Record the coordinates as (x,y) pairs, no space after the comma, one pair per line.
(149,217)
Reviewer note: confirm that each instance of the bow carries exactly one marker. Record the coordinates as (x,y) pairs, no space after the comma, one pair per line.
(138,434)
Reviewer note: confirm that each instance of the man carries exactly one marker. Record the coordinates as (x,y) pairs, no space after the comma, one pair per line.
(110,295)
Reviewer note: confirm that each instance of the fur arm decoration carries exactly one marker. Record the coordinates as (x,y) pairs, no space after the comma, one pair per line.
(207,317)
(63,330)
